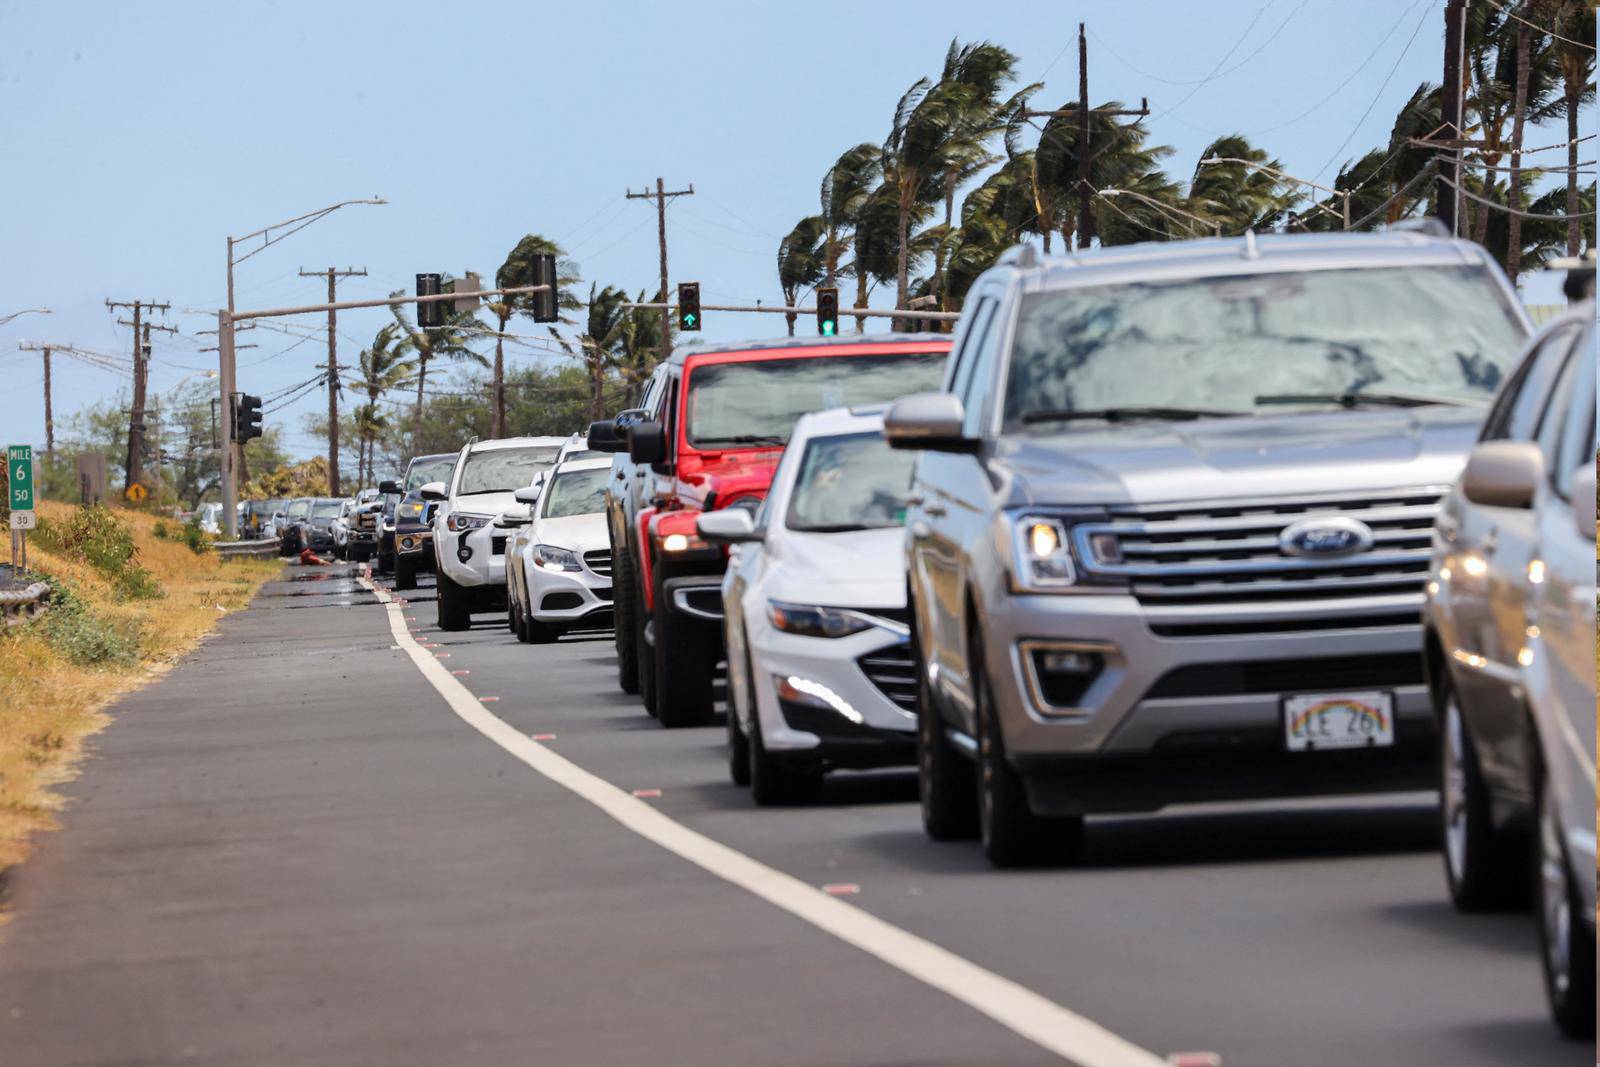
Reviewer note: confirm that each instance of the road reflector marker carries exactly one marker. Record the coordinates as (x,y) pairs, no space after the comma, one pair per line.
(543,737)
(488,700)
(442,655)
(460,670)
(1194,1059)
(1026,1013)
(841,889)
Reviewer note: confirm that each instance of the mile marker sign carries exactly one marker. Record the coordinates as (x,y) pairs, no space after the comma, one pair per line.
(19,458)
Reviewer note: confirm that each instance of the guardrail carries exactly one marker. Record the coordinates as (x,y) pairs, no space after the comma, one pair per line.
(267,546)
(22,605)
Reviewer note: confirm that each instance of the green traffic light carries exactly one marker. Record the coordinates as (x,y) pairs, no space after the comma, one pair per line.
(827,327)
(688,320)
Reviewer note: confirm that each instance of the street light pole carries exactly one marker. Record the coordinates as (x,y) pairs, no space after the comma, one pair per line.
(25,311)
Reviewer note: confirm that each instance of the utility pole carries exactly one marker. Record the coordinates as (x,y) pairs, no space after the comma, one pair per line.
(1083,112)
(49,423)
(333,277)
(1447,198)
(141,367)
(661,196)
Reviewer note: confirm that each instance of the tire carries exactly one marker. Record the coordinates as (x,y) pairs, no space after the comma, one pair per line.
(946,780)
(774,783)
(385,563)
(455,606)
(684,664)
(1566,942)
(1483,867)
(1012,835)
(513,614)
(738,743)
(405,572)
(645,657)
(626,620)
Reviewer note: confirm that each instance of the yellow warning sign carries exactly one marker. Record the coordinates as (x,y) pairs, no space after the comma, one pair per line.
(136,493)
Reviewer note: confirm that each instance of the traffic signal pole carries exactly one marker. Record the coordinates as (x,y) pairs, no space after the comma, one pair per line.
(226,320)
(780,309)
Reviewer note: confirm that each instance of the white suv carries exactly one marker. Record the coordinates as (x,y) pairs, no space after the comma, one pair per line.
(469,552)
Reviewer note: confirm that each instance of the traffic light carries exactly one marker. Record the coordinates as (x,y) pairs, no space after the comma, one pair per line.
(688,305)
(246,417)
(431,314)
(546,305)
(828,311)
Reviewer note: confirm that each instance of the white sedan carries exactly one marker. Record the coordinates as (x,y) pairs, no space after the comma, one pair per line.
(820,671)
(558,566)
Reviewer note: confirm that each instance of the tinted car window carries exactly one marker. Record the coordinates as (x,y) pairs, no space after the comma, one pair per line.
(1515,416)
(853,482)
(430,470)
(503,470)
(1219,343)
(758,402)
(576,493)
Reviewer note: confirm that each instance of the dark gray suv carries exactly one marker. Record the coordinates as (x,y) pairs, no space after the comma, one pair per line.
(1168,537)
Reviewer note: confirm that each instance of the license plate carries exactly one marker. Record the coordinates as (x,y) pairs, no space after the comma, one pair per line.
(1316,722)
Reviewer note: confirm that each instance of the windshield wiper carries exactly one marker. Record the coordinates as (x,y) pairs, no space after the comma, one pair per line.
(833,527)
(742,439)
(1124,414)
(1351,399)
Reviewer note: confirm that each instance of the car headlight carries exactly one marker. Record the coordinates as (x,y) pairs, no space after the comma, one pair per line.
(411,512)
(811,620)
(461,521)
(1043,557)
(556,559)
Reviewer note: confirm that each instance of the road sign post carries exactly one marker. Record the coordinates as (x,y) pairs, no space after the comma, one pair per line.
(19,498)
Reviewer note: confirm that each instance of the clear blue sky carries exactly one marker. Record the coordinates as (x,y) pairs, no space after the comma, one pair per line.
(138,135)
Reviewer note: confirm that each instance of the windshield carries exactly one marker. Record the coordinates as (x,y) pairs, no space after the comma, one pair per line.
(326,509)
(1221,345)
(504,470)
(853,482)
(582,453)
(298,508)
(424,471)
(756,404)
(576,493)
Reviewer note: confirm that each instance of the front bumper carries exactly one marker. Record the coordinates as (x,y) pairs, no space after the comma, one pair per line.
(863,673)
(1171,719)
(567,598)
(486,561)
(411,540)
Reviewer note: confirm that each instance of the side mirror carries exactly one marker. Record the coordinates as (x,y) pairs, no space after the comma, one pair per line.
(434,491)
(730,526)
(515,515)
(1503,474)
(603,437)
(528,494)
(388,485)
(1583,501)
(647,442)
(928,421)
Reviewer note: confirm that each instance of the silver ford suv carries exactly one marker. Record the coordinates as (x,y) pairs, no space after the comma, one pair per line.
(1169,532)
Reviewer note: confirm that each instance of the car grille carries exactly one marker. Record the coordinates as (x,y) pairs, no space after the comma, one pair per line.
(1227,552)
(894,672)
(599,561)
(1379,671)
(497,545)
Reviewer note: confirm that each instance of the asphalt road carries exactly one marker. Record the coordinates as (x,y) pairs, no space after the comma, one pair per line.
(292,850)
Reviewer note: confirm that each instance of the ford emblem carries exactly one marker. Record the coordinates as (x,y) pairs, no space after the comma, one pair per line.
(1338,536)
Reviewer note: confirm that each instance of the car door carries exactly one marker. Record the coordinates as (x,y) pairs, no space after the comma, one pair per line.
(944,508)
(1483,543)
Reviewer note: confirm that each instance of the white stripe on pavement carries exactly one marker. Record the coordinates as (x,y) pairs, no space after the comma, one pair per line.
(1016,1007)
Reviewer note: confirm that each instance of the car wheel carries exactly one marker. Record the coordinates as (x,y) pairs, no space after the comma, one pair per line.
(1566,941)
(684,665)
(945,778)
(1483,867)
(1012,835)
(455,608)
(405,572)
(513,613)
(626,621)
(774,782)
(738,743)
(385,563)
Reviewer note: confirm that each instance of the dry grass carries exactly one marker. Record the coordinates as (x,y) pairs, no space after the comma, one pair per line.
(48,705)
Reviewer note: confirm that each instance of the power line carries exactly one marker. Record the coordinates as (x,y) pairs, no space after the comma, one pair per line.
(1375,96)
(1201,81)
(1548,32)
(1513,211)
(1262,10)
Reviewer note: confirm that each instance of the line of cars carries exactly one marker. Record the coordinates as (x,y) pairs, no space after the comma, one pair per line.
(1212,520)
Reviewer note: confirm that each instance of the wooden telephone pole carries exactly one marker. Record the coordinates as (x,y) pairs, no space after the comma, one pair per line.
(661,196)
(333,277)
(49,423)
(1083,112)
(141,375)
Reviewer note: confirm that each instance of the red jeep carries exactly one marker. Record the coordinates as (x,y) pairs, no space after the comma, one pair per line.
(708,433)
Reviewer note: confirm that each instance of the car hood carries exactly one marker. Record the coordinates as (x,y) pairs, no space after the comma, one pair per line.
(490,504)
(1296,455)
(581,533)
(860,568)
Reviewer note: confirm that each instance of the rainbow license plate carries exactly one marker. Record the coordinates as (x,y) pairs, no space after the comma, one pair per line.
(1317,722)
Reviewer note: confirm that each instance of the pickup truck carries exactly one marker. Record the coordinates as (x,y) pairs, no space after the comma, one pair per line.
(708,433)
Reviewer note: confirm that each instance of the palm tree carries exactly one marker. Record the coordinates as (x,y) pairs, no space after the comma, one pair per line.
(384,366)
(875,244)
(845,188)
(800,261)
(1239,197)
(604,327)
(515,273)
(1573,21)
(441,342)
(639,343)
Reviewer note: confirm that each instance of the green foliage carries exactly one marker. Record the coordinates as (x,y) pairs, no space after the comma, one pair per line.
(82,635)
(102,540)
(160,533)
(197,540)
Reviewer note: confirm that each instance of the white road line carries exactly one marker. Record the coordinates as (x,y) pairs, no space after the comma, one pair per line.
(1034,1017)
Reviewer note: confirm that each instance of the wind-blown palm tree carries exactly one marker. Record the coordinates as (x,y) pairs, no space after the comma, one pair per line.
(1239,197)
(384,366)
(845,188)
(639,343)
(604,326)
(515,273)
(441,342)
(800,261)
(1574,22)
